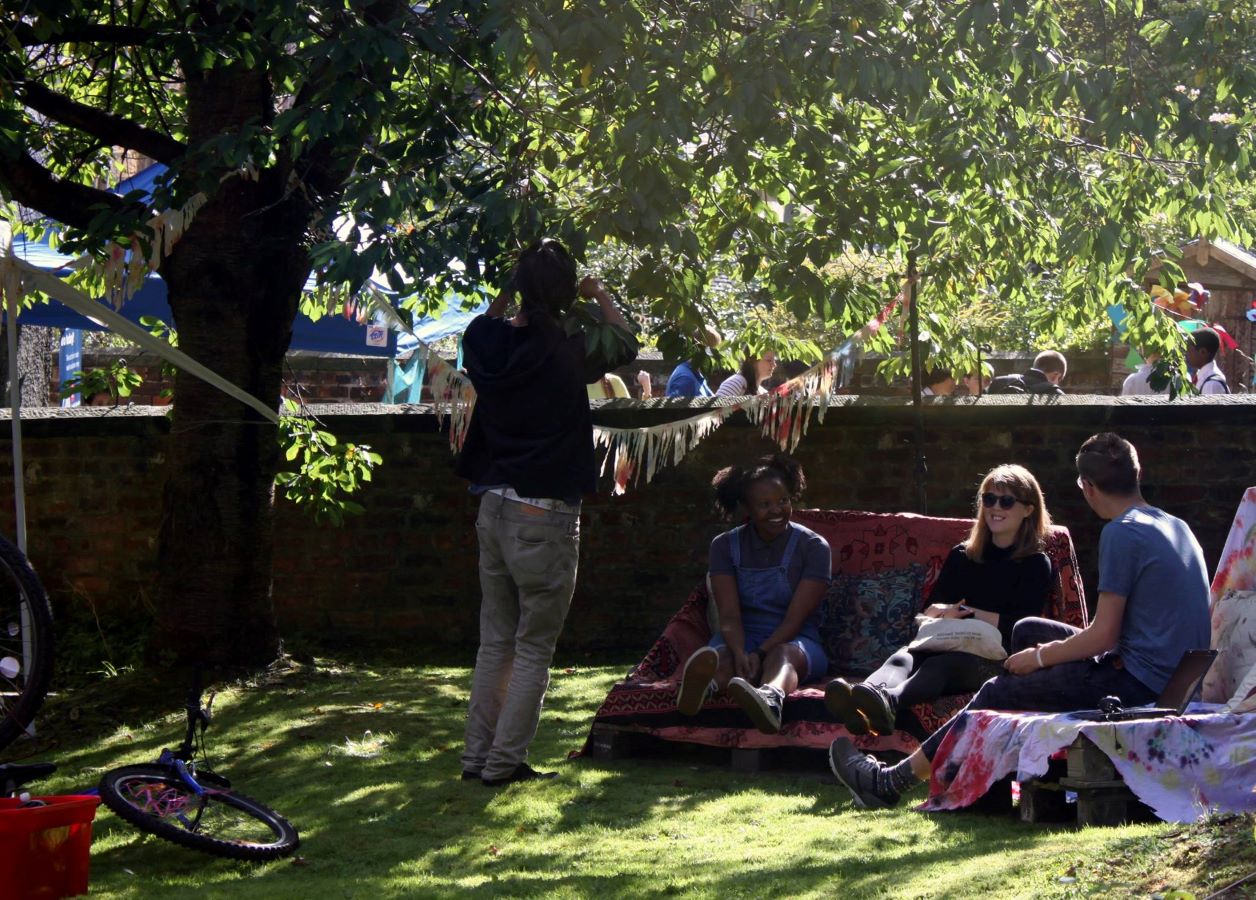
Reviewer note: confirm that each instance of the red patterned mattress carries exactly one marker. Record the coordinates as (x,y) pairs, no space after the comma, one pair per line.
(862,543)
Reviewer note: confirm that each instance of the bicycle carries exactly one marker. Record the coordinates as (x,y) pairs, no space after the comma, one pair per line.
(193,806)
(25,643)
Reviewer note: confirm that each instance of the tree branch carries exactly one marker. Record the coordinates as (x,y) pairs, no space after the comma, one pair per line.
(111,129)
(327,165)
(84,33)
(30,184)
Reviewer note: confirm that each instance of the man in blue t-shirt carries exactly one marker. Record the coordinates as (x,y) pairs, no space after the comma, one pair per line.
(1153,607)
(687,379)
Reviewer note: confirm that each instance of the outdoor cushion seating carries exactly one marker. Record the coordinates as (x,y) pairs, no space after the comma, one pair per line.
(884,566)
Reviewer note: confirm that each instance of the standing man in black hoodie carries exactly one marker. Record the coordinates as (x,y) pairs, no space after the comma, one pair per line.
(529,456)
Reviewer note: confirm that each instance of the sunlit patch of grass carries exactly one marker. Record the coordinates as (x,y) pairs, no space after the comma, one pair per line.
(368,746)
(365,762)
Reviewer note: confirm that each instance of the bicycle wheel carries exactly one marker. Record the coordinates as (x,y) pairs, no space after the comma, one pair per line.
(25,643)
(219,822)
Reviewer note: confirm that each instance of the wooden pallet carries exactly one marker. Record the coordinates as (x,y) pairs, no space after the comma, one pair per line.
(612,742)
(1102,798)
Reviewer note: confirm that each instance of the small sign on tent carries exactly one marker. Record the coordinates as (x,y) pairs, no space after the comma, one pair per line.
(70,362)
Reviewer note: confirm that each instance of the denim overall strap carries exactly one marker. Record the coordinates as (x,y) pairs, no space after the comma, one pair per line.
(764,593)
(789,549)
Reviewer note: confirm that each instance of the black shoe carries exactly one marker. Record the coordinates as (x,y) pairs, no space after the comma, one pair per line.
(859,775)
(695,681)
(762,704)
(877,706)
(468,775)
(522,772)
(841,704)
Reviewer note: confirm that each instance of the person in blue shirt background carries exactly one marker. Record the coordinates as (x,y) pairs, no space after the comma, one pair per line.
(687,379)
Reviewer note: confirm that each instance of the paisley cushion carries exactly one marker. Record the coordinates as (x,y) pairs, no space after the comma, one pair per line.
(865,617)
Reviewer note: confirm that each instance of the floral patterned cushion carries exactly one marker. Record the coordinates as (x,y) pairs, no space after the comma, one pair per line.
(1234,639)
(866,617)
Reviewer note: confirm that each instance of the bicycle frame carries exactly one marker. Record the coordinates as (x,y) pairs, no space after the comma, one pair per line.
(182,758)
(199,810)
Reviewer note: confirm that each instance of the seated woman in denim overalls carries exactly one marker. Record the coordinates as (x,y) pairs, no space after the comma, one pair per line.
(768,577)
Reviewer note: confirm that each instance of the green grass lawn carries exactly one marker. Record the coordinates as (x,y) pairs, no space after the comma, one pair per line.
(364,761)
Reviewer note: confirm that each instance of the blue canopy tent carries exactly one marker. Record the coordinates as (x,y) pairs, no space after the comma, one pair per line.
(405,377)
(330,334)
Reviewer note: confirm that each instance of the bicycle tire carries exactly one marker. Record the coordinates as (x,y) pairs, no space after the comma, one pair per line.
(221,822)
(25,618)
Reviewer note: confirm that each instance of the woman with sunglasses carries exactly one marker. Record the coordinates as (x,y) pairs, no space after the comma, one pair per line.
(999,575)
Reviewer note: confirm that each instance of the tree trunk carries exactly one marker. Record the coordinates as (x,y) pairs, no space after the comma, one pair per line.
(234,281)
(34,373)
(214,581)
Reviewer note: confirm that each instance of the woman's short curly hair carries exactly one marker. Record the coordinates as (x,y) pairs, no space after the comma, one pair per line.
(732,482)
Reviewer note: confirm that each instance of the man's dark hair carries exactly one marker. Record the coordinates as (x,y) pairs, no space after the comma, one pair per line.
(936,375)
(1110,463)
(1207,340)
(545,277)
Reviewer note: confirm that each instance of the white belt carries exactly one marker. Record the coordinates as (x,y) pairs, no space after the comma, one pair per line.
(549,503)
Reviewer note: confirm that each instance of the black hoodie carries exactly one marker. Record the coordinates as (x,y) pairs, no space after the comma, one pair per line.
(531,428)
(1032,382)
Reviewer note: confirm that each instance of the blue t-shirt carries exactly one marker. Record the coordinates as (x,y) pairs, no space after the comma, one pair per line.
(685,382)
(812,558)
(1153,560)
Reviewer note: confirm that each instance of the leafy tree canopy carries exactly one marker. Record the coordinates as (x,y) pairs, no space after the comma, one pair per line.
(1019,151)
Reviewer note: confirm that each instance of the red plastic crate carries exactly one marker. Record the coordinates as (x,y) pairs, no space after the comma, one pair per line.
(45,850)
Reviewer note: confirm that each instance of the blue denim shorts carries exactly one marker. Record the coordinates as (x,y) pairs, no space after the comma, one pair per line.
(817,659)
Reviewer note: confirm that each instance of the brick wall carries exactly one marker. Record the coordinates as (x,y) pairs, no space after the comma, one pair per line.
(313,377)
(406,571)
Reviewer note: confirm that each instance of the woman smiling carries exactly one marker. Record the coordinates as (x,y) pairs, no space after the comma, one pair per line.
(768,577)
(999,575)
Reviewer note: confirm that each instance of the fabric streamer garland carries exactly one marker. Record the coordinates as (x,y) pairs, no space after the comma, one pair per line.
(782,415)
(451,392)
(123,269)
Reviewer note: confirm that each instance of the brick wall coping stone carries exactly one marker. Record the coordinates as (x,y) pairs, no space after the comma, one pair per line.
(1100,410)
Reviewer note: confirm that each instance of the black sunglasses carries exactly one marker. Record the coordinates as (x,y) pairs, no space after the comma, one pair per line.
(1005,501)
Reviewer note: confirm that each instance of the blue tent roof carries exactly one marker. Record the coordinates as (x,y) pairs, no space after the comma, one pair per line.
(452,321)
(143,181)
(330,334)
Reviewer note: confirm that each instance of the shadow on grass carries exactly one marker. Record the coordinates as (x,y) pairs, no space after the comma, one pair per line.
(365,763)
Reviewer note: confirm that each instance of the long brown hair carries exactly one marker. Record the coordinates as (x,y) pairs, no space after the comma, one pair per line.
(1021,484)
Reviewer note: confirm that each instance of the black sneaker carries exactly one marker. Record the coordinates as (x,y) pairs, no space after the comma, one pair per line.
(876,706)
(468,775)
(696,680)
(859,774)
(762,704)
(837,697)
(522,772)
